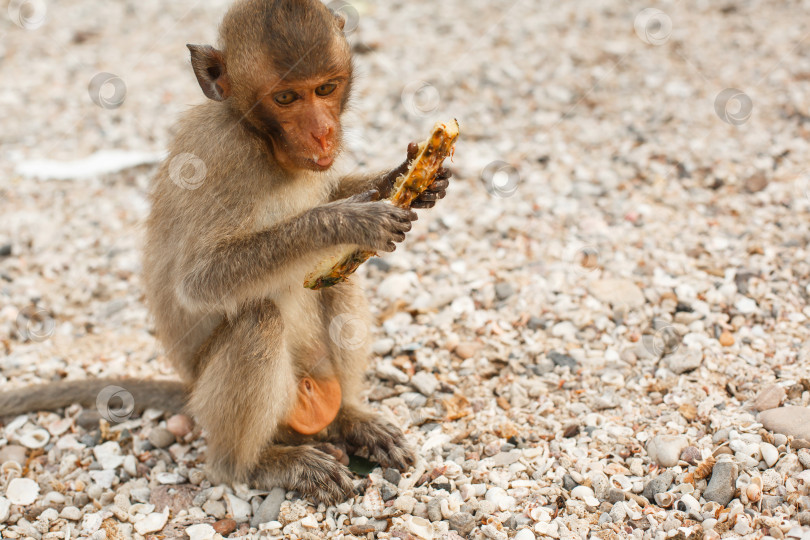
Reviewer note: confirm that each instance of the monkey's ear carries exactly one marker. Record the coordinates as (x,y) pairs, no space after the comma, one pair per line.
(209,67)
(340,20)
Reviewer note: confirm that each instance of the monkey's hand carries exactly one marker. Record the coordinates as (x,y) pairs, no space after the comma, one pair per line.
(427,199)
(435,191)
(372,224)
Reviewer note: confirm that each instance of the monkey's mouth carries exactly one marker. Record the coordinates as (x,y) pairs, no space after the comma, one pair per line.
(322,161)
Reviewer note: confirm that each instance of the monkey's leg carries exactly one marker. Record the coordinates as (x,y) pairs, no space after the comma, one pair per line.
(245,390)
(356,426)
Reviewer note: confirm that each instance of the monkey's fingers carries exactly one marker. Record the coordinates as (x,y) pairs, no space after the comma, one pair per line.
(413,149)
(444,173)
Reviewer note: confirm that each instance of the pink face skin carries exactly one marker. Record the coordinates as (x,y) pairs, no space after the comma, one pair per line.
(307,115)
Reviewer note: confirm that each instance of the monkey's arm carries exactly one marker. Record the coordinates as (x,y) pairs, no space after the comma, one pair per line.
(359,183)
(228,274)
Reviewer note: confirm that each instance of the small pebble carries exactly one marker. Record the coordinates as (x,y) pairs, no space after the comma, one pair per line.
(425,383)
(462,522)
(225,526)
(161,437)
(769,398)
(721,487)
(178,425)
(726,339)
(466,350)
(791,421)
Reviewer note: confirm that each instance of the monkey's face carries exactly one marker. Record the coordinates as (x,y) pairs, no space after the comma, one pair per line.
(302,119)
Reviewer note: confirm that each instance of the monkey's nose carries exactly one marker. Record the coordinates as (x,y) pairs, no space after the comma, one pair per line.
(323,138)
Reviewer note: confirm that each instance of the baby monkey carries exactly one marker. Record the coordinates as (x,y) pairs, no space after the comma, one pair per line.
(226,256)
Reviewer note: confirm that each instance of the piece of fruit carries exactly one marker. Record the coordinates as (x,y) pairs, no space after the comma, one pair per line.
(407,187)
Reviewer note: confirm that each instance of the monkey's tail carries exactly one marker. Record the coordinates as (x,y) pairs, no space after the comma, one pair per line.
(112,396)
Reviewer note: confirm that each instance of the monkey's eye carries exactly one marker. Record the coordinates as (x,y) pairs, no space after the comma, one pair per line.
(325,89)
(285,98)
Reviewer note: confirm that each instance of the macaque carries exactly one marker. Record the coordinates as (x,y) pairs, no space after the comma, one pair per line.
(226,256)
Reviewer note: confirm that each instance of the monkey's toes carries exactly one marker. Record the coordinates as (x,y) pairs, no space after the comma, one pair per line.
(383,442)
(324,480)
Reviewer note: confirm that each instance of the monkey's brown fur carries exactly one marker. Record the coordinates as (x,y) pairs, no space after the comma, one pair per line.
(225,262)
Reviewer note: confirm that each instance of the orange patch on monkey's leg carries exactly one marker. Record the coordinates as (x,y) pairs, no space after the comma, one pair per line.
(317,405)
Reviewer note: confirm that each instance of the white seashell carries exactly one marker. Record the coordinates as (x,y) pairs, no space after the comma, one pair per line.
(665,499)
(36,438)
(59,426)
(540,514)
(711,507)
(201,531)
(620,481)
(633,510)
(5,506)
(770,455)
(170,478)
(753,492)
(152,522)
(689,504)
(585,494)
(373,503)
(742,481)
(421,528)
(525,534)
(11,468)
(22,491)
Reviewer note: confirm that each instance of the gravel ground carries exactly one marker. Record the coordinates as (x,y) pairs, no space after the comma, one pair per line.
(600,332)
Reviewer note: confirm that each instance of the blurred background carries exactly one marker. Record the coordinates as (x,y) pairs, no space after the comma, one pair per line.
(663,145)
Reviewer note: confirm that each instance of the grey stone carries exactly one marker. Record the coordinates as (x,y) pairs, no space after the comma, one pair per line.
(160,437)
(388,491)
(269,509)
(568,482)
(659,484)
(380,525)
(535,323)
(434,509)
(771,502)
(721,486)
(769,398)
(684,360)
(504,290)
(414,400)
(563,360)
(615,495)
(88,419)
(791,421)
(392,475)
(425,383)
(462,523)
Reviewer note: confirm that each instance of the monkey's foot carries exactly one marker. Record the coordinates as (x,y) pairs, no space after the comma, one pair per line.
(309,471)
(384,443)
